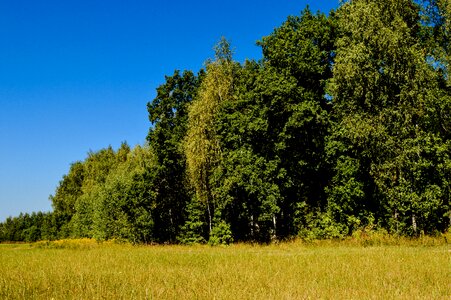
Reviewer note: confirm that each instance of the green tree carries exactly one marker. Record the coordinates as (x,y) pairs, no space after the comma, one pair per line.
(97,167)
(126,201)
(66,196)
(298,61)
(244,178)
(194,229)
(168,114)
(390,163)
(201,144)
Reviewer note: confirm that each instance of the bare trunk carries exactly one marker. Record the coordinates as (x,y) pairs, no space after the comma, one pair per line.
(273,237)
(252,226)
(209,217)
(396,221)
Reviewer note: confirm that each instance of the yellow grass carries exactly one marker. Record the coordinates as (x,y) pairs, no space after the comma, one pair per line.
(85,269)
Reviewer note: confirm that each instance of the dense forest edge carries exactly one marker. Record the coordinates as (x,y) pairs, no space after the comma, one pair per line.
(343,127)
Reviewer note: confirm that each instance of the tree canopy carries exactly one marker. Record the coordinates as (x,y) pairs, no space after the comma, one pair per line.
(343,125)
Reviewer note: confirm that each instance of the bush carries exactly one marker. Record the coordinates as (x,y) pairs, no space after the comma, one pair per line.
(221,234)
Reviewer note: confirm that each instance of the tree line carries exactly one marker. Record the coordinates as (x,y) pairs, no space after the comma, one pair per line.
(343,125)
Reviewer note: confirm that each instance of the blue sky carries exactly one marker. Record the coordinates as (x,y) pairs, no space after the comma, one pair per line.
(77,75)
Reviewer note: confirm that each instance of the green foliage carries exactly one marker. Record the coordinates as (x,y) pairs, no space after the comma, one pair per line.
(272,132)
(220,234)
(29,228)
(343,129)
(126,202)
(202,149)
(303,48)
(113,198)
(66,196)
(168,113)
(389,154)
(314,225)
(97,167)
(194,229)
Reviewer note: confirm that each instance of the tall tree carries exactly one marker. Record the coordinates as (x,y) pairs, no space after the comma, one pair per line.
(298,56)
(201,145)
(97,167)
(66,196)
(391,164)
(271,131)
(125,206)
(168,114)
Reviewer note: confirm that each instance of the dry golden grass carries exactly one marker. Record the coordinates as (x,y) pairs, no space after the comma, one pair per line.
(84,269)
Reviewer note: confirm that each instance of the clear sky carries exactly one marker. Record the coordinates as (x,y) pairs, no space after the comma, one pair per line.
(76,75)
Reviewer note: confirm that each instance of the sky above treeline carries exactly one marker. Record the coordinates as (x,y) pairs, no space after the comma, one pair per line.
(77,75)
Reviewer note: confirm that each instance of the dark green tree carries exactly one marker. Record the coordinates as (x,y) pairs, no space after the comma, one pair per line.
(168,114)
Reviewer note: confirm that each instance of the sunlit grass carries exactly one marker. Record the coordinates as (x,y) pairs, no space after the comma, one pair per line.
(85,269)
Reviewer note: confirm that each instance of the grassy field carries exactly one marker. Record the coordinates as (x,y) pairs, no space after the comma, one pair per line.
(84,269)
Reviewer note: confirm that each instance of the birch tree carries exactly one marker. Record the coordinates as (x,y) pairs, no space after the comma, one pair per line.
(201,144)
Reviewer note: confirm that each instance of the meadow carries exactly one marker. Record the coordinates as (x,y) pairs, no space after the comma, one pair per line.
(86,269)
